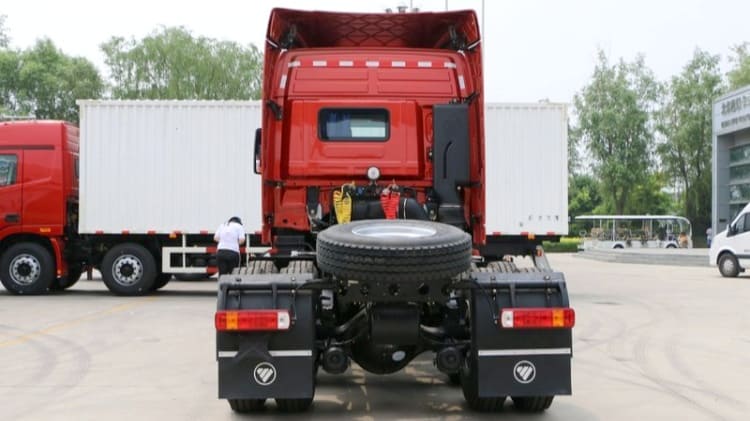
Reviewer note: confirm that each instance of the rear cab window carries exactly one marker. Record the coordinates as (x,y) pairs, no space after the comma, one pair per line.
(353,124)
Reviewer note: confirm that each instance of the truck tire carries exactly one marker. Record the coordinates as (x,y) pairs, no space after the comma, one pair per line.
(394,250)
(27,269)
(532,403)
(294,405)
(129,269)
(244,406)
(65,282)
(162,279)
(728,265)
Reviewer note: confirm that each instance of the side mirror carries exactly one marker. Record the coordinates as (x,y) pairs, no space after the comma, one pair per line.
(256,157)
(731,230)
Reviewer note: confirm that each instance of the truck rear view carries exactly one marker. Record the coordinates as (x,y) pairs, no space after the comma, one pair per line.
(371,155)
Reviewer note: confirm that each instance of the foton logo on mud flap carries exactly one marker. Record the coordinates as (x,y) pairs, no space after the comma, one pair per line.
(524,372)
(264,374)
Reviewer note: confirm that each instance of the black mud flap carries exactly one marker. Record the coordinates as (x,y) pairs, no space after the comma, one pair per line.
(519,362)
(278,364)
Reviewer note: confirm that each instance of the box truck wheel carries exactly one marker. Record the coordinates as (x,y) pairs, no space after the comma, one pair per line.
(532,403)
(394,250)
(162,279)
(245,406)
(27,268)
(129,269)
(728,265)
(65,282)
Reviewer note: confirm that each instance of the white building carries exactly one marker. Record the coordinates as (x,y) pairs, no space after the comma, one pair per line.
(731,157)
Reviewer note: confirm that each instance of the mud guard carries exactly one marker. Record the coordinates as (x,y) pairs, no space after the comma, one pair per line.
(279,364)
(519,362)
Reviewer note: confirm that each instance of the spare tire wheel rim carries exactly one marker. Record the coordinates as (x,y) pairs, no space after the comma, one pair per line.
(393,231)
(25,269)
(127,270)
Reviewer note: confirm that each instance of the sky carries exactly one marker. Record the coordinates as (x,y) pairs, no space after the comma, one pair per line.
(533,49)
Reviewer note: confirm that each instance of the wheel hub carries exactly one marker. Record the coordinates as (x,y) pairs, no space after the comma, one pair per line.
(25,269)
(127,270)
(728,266)
(393,231)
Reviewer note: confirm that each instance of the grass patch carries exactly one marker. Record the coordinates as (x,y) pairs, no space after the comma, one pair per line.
(566,245)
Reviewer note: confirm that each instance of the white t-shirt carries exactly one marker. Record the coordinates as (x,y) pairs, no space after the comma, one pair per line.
(229,235)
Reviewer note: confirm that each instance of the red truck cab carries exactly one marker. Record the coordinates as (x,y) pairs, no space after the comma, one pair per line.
(38,202)
(342,102)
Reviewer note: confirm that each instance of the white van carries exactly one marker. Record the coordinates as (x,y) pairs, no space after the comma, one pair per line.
(730,249)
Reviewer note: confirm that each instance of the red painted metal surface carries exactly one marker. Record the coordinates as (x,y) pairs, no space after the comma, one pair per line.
(46,153)
(401,63)
(46,180)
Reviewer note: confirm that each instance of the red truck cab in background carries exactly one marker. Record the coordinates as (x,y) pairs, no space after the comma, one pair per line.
(38,204)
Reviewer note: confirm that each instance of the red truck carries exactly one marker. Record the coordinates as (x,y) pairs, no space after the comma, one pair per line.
(374,174)
(124,194)
(39,191)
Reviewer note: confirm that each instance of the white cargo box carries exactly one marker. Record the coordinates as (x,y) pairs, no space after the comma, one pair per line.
(166,166)
(526,156)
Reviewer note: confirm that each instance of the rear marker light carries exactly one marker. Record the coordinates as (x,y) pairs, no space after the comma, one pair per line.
(537,318)
(252,320)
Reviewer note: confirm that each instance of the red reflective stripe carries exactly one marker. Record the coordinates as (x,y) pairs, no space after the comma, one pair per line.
(550,233)
(496,233)
(125,232)
(204,232)
(211,250)
(151,232)
(99,232)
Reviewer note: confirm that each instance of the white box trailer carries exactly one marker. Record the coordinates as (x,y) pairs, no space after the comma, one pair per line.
(166,173)
(162,175)
(185,166)
(167,166)
(526,150)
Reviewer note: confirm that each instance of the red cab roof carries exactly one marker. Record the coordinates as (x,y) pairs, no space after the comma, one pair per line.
(338,29)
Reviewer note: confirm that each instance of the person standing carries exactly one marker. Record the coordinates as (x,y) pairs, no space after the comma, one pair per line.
(709,236)
(230,236)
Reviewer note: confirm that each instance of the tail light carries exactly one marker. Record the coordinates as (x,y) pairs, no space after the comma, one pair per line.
(252,320)
(537,318)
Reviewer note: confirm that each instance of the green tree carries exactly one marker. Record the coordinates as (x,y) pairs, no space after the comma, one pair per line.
(173,64)
(4,38)
(615,125)
(44,82)
(649,197)
(685,123)
(583,199)
(739,76)
(6,64)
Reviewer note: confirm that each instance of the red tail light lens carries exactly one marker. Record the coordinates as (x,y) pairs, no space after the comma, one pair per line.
(252,320)
(537,318)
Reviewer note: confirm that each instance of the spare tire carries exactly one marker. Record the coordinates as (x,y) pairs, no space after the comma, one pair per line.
(394,250)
